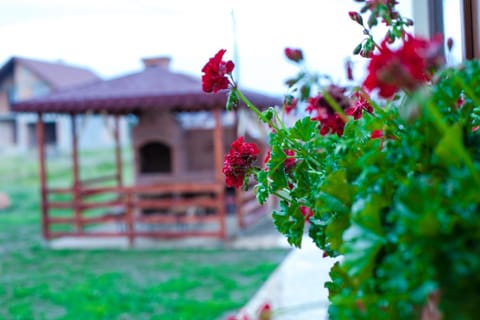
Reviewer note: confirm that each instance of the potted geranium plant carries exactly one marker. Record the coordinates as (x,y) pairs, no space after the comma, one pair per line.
(386,173)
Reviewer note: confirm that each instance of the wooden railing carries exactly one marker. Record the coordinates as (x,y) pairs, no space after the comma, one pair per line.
(172,205)
(249,210)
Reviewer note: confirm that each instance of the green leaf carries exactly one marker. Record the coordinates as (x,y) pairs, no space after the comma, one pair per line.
(449,149)
(329,203)
(339,281)
(335,229)
(290,222)
(303,179)
(367,211)
(276,168)
(336,185)
(361,246)
(304,129)
(261,188)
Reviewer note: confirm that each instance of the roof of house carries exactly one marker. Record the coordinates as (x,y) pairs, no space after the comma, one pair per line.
(153,87)
(58,75)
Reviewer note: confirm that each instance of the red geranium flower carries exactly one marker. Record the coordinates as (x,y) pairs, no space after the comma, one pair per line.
(238,162)
(406,68)
(215,71)
(323,112)
(360,104)
(295,55)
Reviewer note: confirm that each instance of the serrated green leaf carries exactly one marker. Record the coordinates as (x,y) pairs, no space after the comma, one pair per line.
(261,188)
(290,222)
(335,229)
(303,179)
(276,168)
(336,185)
(304,129)
(339,281)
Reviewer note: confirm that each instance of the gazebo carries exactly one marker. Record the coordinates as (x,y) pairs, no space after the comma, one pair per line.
(178,188)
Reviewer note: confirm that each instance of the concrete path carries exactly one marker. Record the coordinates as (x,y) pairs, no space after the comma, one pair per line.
(295,291)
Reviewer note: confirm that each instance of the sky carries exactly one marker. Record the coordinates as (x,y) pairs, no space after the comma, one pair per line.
(111,36)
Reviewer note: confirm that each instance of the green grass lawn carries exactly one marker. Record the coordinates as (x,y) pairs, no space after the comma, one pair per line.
(38,283)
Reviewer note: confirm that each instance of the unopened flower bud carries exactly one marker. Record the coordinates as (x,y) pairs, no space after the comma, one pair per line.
(232,100)
(389,37)
(355,16)
(357,49)
(372,21)
(408,22)
(295,55)
(349,69)
(449,44)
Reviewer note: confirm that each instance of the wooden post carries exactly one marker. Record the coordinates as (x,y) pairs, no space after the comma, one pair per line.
(75,176)
(43,176)
(238,191)
(129,218)
(218,158)
(118,152)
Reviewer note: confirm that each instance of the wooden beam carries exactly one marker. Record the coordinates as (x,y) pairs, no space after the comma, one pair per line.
(130,223)
(75,175)
(218,145)
(43,176)
(218,156)
(238,191)
(471,29)
(118,151)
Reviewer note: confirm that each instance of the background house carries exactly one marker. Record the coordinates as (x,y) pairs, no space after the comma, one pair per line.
(22,79)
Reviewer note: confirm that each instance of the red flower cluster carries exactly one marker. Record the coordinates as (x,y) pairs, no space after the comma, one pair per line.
(323,112)
(215,71)
(295,55)
(360,104)
(406,68)
(238,161)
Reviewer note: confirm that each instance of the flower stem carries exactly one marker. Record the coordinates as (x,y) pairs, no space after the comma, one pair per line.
(250,105)
(284,195)
(335,105)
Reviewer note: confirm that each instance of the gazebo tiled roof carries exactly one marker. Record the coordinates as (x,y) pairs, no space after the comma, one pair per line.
(153,87)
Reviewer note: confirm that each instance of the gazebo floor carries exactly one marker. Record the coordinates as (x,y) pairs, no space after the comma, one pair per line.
(261,234)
